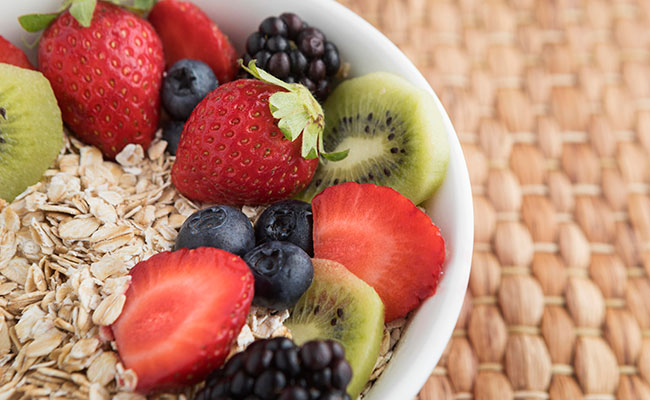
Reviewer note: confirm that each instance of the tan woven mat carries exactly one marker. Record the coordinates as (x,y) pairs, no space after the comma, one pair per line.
(551,101)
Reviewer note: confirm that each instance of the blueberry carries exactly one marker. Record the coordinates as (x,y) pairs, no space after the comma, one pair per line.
(172,134)
(287,221)
(223,227)
(282,271)
(185,84)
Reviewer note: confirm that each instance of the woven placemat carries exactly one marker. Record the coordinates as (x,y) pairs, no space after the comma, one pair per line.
(551,101)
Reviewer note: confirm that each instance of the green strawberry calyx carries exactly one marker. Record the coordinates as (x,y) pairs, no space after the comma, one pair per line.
(299,113)
(81,10)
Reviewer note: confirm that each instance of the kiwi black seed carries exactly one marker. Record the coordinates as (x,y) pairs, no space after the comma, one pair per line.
(3,114)
(31,130)
(394,133)
(341,307)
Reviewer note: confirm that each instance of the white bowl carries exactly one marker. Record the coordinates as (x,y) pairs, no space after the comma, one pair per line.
(367,50)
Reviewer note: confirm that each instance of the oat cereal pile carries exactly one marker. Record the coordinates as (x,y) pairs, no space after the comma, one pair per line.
(66,247)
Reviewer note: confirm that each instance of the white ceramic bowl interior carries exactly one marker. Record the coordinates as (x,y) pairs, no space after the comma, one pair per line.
(367,50)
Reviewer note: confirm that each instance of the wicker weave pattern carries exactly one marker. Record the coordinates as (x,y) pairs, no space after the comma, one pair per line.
(551,101)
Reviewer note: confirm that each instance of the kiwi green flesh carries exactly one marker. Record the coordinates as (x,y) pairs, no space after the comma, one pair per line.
(342,307)
(31,129)
(394,132)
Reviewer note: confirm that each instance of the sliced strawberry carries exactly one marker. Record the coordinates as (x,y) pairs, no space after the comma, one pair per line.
(187,32)
(384,239)
(182,313)
(10,54)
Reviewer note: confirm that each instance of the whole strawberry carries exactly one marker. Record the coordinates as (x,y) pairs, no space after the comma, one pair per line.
(240,144)
(106,77)
(187,32)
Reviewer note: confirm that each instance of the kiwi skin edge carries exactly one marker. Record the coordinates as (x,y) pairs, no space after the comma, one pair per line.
(419,168)
(31,130)
(361,326)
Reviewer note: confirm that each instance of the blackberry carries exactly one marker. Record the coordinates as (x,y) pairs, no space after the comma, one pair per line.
(277,369)
(293,51)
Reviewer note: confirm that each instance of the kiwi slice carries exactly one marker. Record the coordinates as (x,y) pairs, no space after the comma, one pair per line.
(340,306)
(394,132)
(31,130)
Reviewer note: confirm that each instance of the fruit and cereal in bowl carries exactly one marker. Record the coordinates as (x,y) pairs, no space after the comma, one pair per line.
(213,228)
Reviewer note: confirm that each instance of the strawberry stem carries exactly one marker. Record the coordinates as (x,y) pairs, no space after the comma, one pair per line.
(82,11)
(299,114)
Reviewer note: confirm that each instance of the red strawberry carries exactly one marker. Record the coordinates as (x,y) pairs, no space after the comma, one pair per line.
(183,311)
(234,150)
(240,144)
(187,32)
(106,78)
(384,239)
(10,54)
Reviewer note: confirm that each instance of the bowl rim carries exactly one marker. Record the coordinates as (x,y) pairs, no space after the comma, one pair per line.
(431,351)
